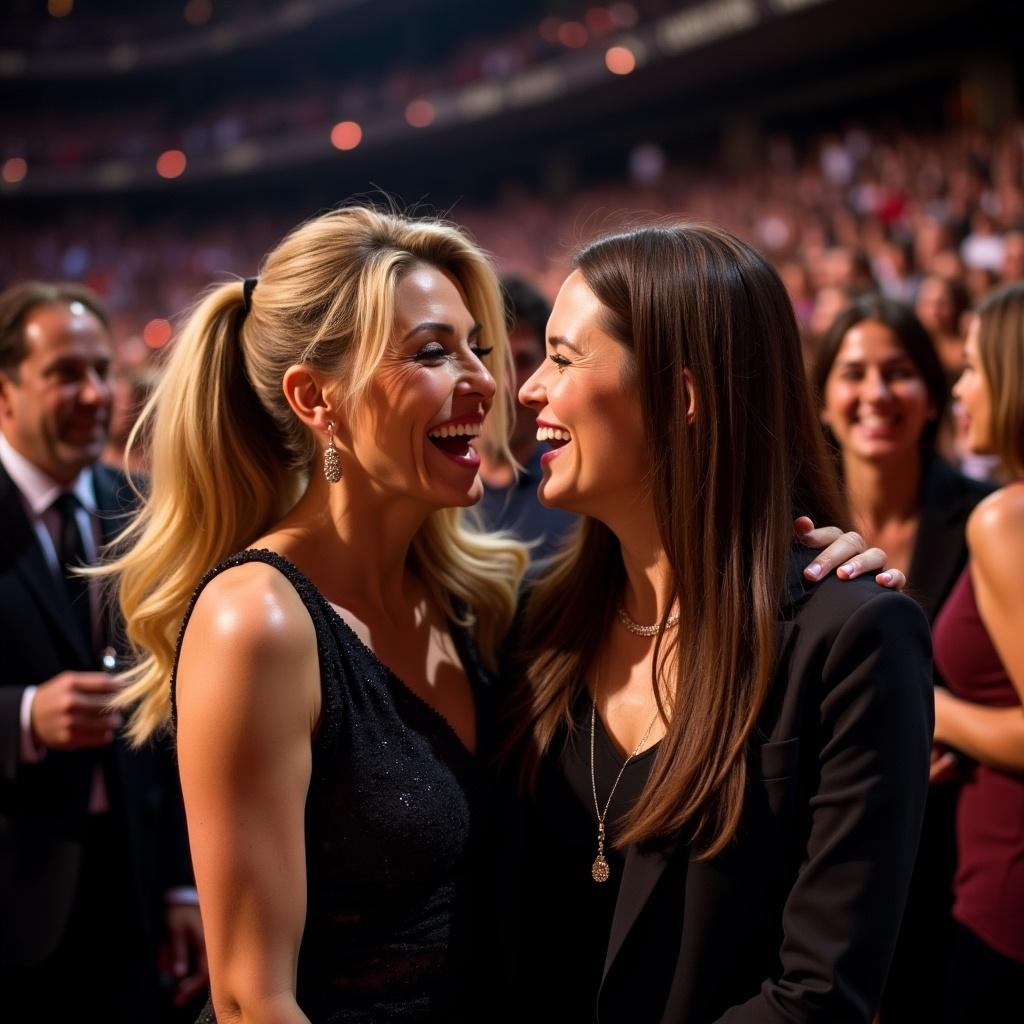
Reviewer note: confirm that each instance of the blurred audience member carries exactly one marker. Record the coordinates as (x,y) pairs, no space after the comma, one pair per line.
(1013,257)
(132,378)
(882,393)
(940,306)
(92,841)
(510,500)
(979,648)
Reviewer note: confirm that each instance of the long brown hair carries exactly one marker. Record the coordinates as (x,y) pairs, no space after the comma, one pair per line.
(1001,351)
(725,489)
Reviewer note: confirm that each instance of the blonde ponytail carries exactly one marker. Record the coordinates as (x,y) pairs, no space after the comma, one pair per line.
(218,479)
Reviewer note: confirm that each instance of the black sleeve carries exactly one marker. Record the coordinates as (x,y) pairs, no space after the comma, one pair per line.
(10,730)
(875,718)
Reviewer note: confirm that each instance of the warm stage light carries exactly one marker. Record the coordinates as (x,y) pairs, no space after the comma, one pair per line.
(346,135)
(420,113)
(619,60)
(156,333)
(171,164)
(14,170)
(60,8)
(572,34)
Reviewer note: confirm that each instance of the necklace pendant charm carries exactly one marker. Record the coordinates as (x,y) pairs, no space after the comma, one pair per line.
(600,871)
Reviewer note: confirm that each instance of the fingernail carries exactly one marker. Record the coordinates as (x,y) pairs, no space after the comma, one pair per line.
(886,577)
(848,568)
(813,570)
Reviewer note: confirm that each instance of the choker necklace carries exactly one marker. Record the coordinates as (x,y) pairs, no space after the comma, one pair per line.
(637,629)
(599,870)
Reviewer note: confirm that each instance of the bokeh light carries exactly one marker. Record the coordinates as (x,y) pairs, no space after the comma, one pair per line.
(60,8)
(420,113)
(157,333)
(572,34)
(171,164)
(346,135)
(14,170)
(620,60)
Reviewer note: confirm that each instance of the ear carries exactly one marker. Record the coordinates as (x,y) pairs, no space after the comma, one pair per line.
(691,398)
(5,394)
(304,391)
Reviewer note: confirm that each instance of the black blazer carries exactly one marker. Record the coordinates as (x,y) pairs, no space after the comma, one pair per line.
(44,806)
(940,549)
(797,920)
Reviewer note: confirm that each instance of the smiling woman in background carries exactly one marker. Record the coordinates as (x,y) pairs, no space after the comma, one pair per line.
(882,392)
(979,647)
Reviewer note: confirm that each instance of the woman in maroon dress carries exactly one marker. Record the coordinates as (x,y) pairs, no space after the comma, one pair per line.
(979,648)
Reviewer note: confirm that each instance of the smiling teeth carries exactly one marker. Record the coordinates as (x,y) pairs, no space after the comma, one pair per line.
(553,434)
(457,430)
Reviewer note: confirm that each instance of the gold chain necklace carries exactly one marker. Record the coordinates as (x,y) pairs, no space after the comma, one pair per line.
(638,629)
(599,870)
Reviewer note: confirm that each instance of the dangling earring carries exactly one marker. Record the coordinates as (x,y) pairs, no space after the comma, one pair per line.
(332,460)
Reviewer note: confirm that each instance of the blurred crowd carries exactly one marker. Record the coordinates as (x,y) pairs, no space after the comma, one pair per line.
(139,130)
(936,221)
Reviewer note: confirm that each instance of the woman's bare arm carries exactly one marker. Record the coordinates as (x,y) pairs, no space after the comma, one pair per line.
(248,700)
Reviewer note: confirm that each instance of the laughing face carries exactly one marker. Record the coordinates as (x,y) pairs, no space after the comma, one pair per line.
(414,435)
(876,402)
(587,411)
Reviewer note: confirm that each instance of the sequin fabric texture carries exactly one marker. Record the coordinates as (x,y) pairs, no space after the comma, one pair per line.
(391,819)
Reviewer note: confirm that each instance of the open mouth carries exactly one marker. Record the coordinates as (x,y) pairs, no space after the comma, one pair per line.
(453,440)
(556,437)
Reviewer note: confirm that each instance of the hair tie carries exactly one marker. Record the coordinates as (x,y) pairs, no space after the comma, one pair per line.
(248,286)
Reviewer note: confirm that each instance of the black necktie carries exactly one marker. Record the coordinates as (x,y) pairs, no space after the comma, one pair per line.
(71,554)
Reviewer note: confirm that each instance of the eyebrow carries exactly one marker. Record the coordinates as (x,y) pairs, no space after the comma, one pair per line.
(901,357)
(474,331)
(557,342)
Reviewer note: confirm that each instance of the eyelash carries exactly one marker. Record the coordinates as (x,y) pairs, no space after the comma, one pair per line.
(560,361)
(439,352)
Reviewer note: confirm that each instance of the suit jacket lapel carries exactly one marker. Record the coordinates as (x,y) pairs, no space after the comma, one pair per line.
(20,545)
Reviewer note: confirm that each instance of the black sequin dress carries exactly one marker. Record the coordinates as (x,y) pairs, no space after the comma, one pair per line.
(393,814)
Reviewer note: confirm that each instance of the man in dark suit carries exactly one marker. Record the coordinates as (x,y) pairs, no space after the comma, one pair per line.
(93,860)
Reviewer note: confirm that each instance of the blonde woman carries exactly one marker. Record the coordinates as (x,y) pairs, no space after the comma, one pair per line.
(312,442)
(979,649)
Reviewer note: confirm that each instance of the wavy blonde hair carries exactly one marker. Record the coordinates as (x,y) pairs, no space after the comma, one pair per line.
(229,457)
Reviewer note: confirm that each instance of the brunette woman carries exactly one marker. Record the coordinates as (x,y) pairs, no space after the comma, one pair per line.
(882,392)
(725,767)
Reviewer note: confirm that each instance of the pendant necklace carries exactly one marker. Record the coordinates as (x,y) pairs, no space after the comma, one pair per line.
(600,871)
